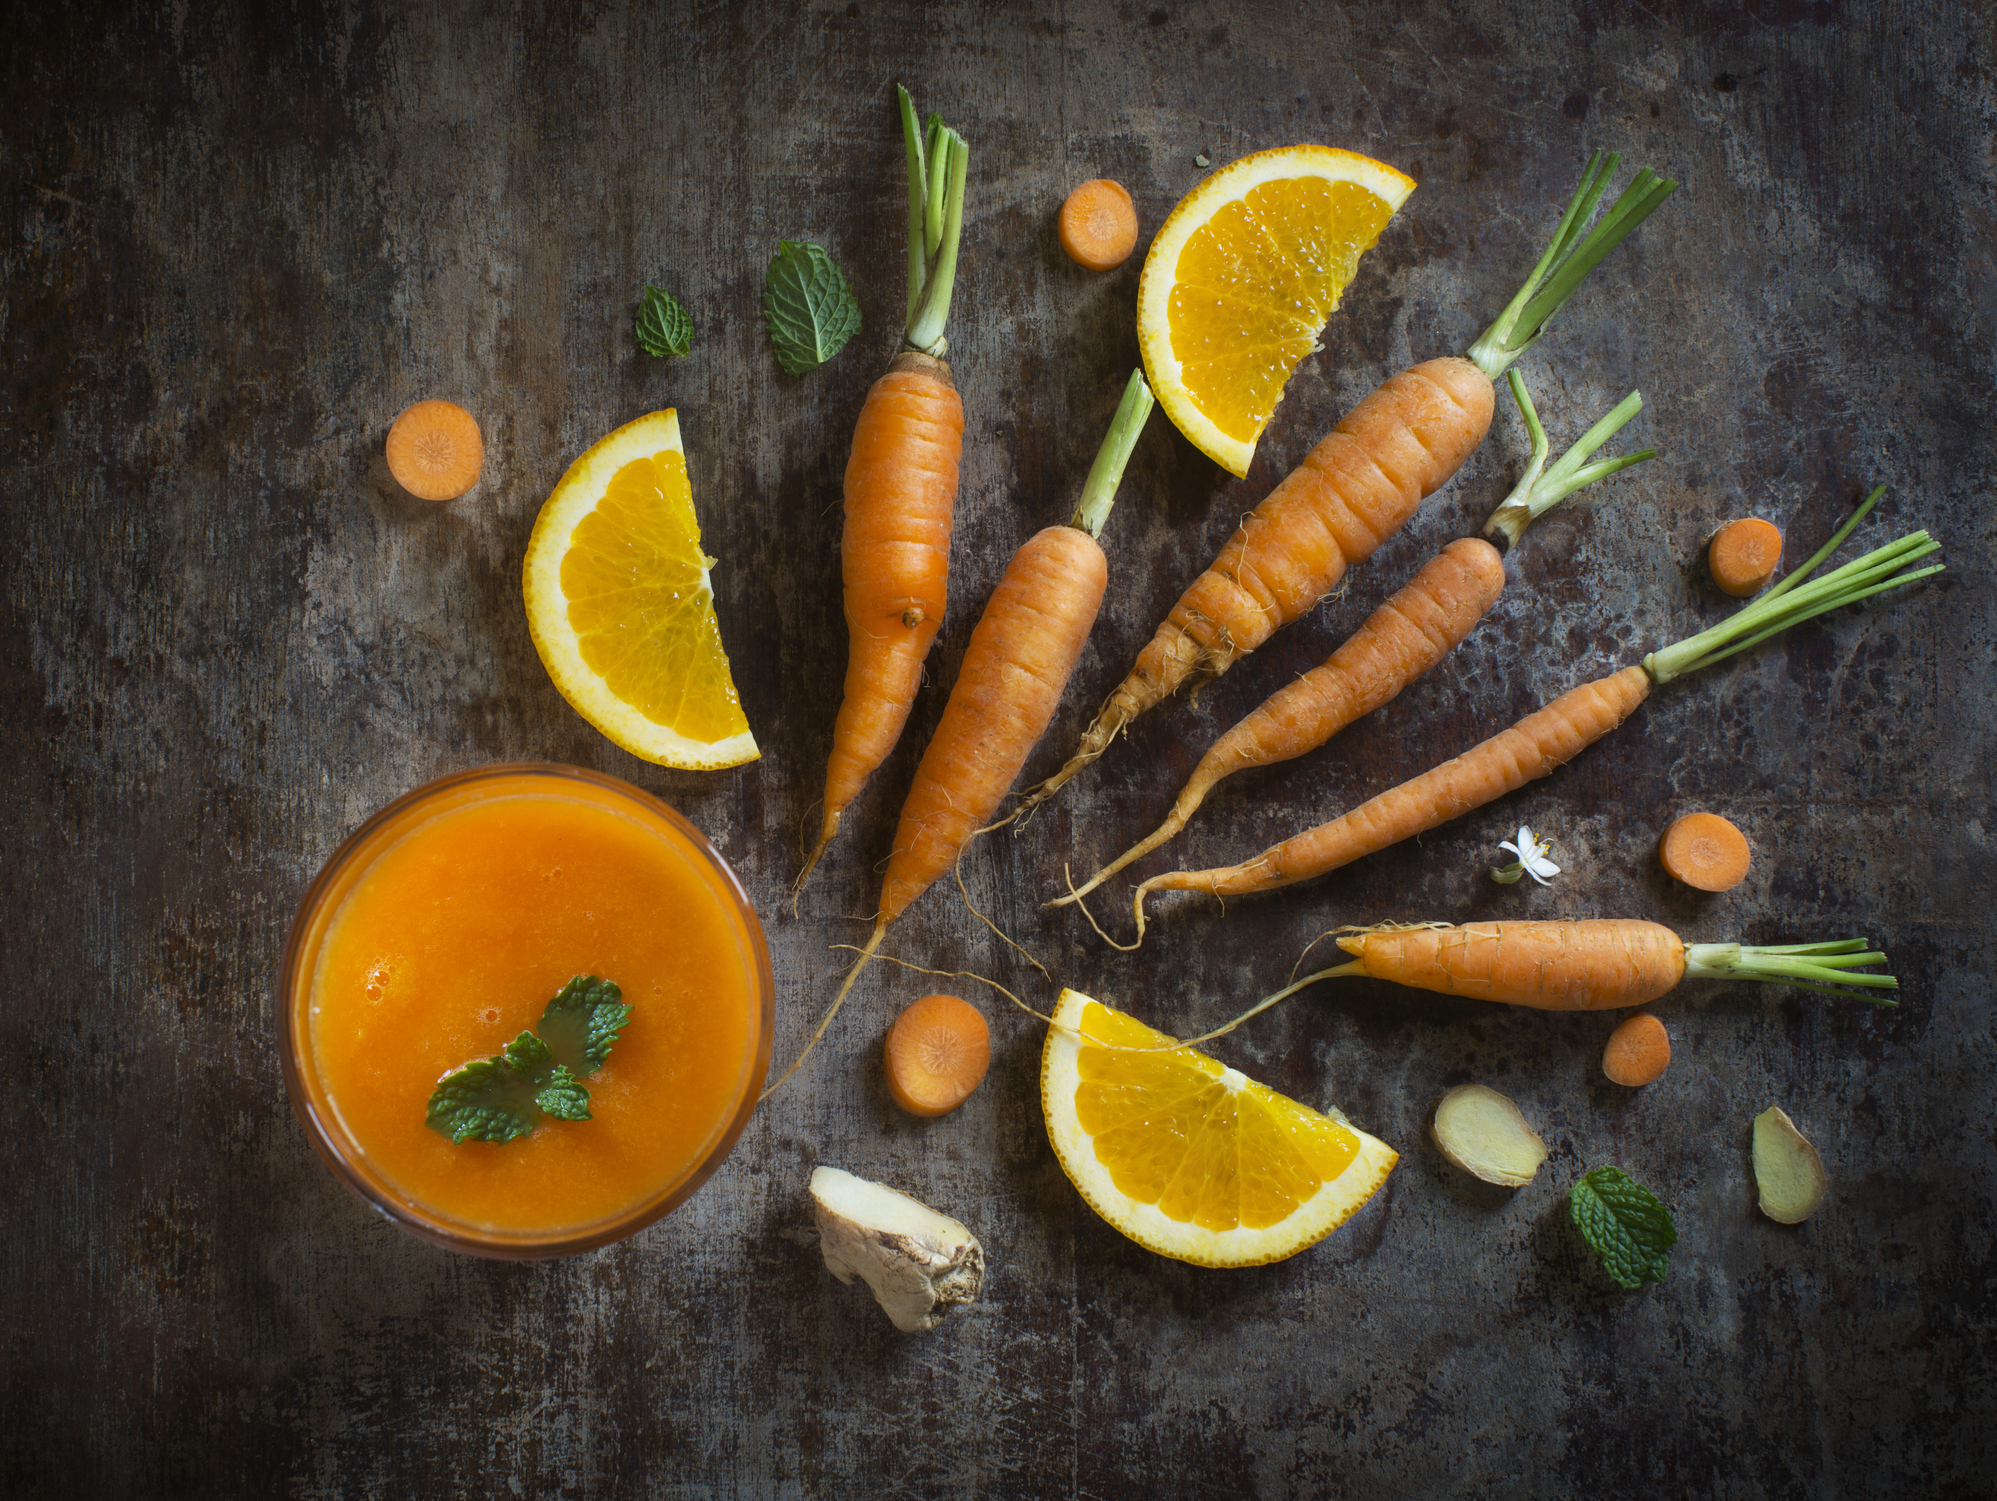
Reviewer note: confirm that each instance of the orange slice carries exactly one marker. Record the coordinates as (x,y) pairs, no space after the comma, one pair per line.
(1190,1158)
(620,603)
(1241,279)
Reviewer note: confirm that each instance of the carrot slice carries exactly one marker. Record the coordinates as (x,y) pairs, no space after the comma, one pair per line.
(937,1053)
(434,450)
(1099,225)
(1704,850)
(1638,1051)
(1743,554)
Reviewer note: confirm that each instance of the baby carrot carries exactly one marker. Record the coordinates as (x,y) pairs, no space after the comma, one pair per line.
(1099,225)
(1554,735)
(1362,482)
(1743,555)
(1637,1052)
(901,488)
(1402,639)
(1704,850)
(434,450)
(937,1053)
(1020,656)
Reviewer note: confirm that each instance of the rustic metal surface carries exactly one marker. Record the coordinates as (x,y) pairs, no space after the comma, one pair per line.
(239,241)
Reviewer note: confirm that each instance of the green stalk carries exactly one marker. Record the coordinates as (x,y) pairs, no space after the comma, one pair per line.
(1099,491)
(1821,967)
(1537,493)
(1793,600)
(1566,264)
(918,198)
(937,162)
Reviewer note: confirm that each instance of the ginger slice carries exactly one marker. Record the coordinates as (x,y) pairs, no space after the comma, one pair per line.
(920,1264)
(1482,1132)
(1787,1169)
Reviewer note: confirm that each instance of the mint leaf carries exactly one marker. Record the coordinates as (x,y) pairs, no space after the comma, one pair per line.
(1625,1224)
(503,1097)
(582,1021)
(663,327)
(489,1099)
(807,306)
(562,1097)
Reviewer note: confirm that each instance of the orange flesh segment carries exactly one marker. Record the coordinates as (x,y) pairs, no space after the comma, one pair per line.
(1099,225)
(1150,1119)
(434,450)
(644,529)
(937,1053)
(1258,280)
(452,944)
(1705,851)
(1743,554)
(1638,1051)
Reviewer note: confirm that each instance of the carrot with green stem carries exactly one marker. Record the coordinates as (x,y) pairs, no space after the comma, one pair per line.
(1402,639)
(1363,481)
(1554,735)
(1596,964)
(901,486)
(1021,654)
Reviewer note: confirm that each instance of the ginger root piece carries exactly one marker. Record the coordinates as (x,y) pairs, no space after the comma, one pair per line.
(919,1263)
(1482,1132)
(1787,1169)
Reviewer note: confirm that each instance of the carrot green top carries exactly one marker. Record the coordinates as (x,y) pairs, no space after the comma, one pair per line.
(1568,260)
(937,159)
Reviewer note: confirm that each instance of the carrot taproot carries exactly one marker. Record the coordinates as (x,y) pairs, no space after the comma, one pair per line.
(1361,483)
(1637,1052)
(1596,964)
(1402,639)
(1021,654)
(1742,555)
(1550,737)
(434,450)
(900,488)
(936,1053)
(1098,225)
(1705,851)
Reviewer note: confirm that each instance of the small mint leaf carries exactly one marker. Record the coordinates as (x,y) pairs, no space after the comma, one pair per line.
(486,1100)
(563,1098)
(529,1055)
(582,1022)
(662,326)
(1628,1228)
(807,306)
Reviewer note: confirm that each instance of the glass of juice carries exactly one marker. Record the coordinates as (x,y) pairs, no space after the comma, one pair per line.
(441,930)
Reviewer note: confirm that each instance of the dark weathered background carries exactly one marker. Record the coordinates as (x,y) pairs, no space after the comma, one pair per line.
(240,239)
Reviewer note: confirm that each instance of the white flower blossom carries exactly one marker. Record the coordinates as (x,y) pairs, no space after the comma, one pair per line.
(1531,860)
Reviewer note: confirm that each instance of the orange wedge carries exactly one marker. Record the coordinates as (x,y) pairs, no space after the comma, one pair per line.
(1190,1158)
(620,603)
(1242,278)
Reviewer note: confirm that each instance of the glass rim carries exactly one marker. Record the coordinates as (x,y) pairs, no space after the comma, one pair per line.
(343,1156)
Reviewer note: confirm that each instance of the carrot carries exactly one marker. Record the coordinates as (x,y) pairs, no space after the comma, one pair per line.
(1402,639)
(1704,850)
(1552,736)
(1637,1052)
(1743,555)
(1021,654)
(1099,225)
(937,1053)
(901,488)
(434,450)
(1594,965)
(1356,488)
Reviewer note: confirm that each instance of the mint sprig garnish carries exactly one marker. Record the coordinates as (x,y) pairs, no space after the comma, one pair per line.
(502,1098)
(663,327)
(807,307)
(1626,1225)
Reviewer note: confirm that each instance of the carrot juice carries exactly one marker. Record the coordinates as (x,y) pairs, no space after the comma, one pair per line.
(441,932)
